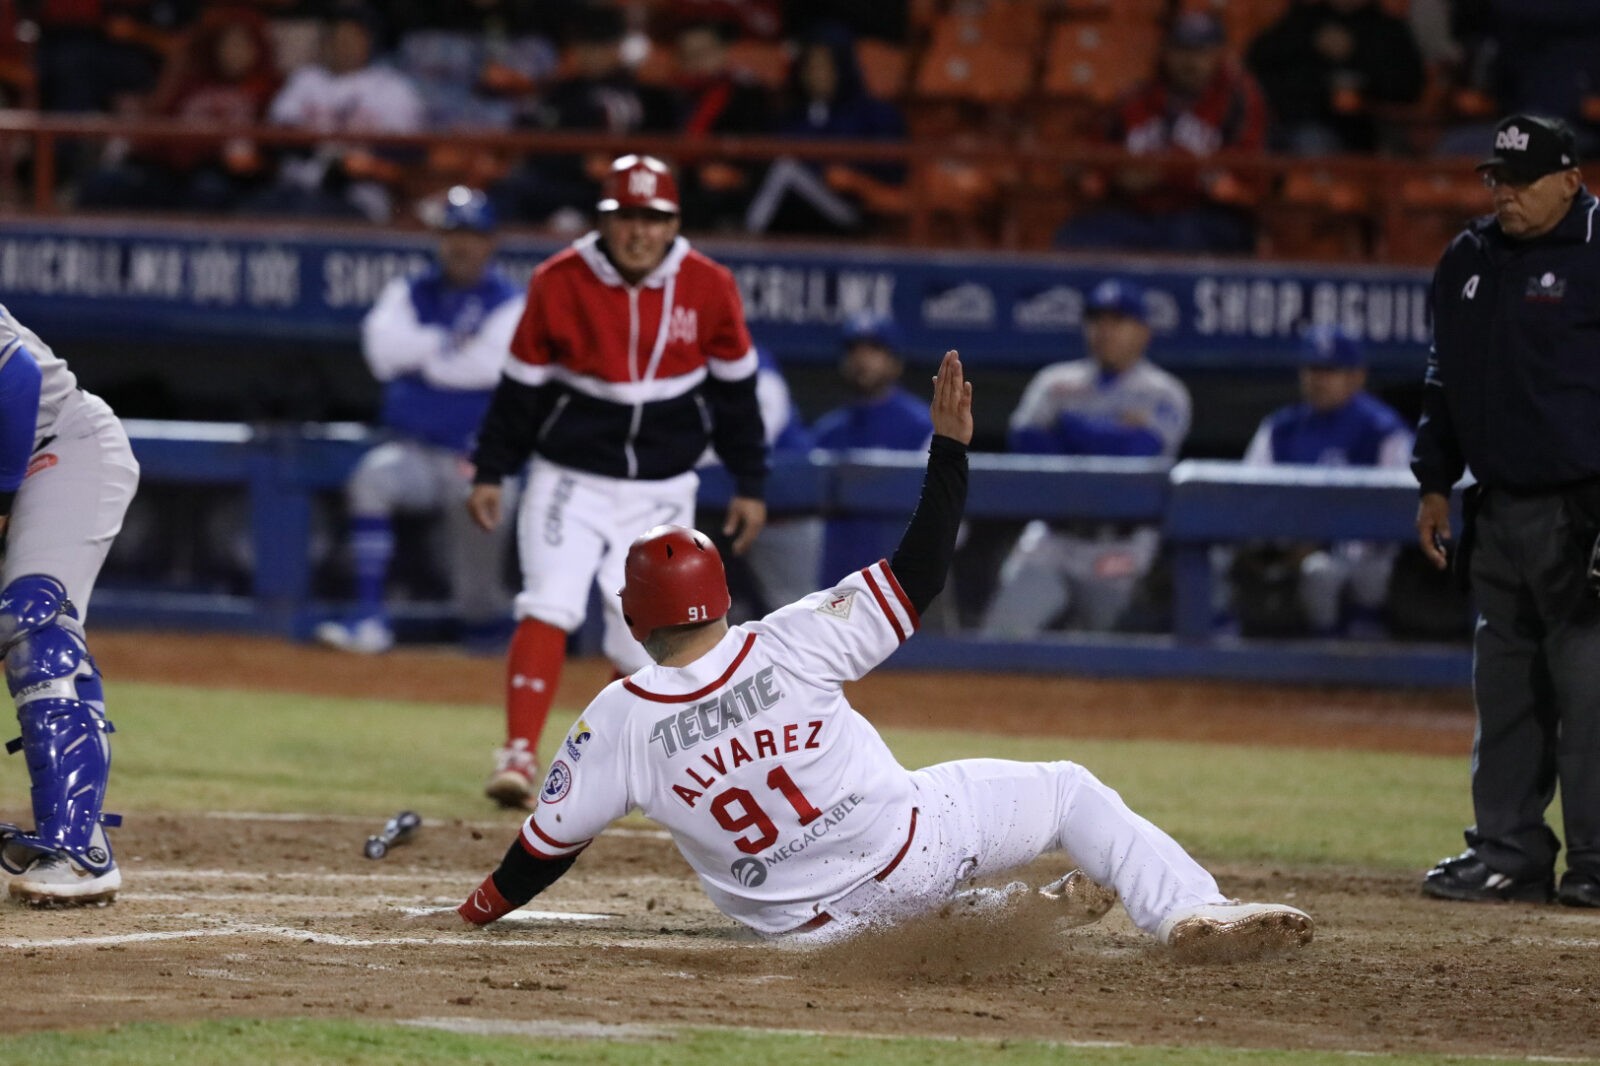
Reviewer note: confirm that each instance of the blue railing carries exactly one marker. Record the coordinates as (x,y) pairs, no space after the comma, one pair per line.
(1198,505)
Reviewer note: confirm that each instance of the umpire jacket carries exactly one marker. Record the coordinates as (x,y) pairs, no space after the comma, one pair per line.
(1513,382)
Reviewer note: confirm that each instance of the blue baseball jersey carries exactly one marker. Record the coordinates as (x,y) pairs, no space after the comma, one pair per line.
(1077,408)
(1364,432)
(899,421)
(440,350)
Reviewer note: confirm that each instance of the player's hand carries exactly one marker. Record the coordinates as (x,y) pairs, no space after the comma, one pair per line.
(747,516)
(952,400)
(484,507)
(1433,527)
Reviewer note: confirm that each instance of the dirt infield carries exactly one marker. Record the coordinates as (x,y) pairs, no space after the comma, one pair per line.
(274,916)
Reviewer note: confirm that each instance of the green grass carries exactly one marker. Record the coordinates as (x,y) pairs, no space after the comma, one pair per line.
(314,1043)
(190,749)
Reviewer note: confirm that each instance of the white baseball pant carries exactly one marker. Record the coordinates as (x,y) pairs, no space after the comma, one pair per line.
(574,529)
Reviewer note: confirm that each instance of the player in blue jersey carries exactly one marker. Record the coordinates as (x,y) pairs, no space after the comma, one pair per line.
(881,415)
(438,342)
(67,475)
(1336,423)
(1115,402)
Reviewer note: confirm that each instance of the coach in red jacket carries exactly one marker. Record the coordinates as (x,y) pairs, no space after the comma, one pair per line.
(632,355)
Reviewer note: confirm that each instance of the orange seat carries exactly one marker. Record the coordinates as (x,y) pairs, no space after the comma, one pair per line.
(766,61)
(884,67)
(981,70)
(1098,61)
(1425,214)
(1316,215)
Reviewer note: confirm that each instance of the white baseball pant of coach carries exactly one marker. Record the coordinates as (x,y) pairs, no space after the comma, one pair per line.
(574,529)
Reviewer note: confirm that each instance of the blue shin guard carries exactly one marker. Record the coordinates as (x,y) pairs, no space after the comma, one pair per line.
(61,709)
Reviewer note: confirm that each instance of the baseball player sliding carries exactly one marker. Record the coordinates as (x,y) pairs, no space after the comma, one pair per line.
(631,356)
(784,799)
(67,475)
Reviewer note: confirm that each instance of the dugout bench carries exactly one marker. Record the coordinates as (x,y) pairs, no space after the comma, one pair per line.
(1198,504)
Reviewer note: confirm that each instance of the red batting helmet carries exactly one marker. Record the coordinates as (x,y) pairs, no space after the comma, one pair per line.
(673,577)
(639,181)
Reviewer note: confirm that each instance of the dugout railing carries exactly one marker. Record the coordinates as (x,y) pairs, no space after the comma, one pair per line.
(283,468)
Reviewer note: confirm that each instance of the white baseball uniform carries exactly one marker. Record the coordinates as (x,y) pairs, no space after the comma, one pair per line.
(794,813)
(79,482)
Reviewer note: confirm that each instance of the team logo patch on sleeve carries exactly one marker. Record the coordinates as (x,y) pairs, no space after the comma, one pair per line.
(557,783)
(581,735)
(837,603)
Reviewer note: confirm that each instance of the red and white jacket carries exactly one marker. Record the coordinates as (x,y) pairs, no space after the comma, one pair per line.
(628,381)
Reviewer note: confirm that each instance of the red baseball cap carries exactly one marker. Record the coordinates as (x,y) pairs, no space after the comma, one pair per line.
(639,181)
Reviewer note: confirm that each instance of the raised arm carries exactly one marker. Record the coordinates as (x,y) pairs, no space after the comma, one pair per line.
(922,561)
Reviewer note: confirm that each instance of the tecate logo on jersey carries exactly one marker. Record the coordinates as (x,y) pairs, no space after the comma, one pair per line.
(749,872)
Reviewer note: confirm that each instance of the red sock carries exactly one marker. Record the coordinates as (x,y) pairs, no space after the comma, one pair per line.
(533,669)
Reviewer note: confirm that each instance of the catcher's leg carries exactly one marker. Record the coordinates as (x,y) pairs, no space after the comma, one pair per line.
(61,709)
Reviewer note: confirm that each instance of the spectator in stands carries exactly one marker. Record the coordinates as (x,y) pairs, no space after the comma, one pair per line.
(881,415)
(1200,101)
(223,76)
(437,341)
(1336,423)
(347,94)
(1115,402)
(1323,66)
(94,52)
(602,95)
(715,99)
(827,99)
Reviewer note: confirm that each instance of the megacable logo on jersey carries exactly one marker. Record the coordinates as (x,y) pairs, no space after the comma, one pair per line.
(749,872)
(558,783)
(837,604)
(581,735)
(1511,138)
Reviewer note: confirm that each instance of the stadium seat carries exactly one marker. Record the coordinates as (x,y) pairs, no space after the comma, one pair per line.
(1426,212)
(987,56)
(766,61)
(1316,215)
(884,67)
(1098,61)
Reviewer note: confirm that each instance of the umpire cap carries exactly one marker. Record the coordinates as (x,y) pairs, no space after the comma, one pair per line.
(639,181)
(673,577)
(1527,147)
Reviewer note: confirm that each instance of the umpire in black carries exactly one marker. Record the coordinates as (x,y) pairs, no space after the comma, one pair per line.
(1513,391)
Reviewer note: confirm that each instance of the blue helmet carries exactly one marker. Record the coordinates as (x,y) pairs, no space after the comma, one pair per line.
(462,208)
(866,326)
(1331,347)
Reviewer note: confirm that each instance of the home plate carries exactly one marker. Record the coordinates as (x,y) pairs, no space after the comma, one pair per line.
(515,916)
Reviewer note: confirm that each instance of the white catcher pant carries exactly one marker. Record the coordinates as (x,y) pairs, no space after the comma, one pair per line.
(70,505)
(982,817)
(573,529)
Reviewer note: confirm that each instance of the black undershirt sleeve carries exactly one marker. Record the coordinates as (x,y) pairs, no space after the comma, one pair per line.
(922,561)
(522,876)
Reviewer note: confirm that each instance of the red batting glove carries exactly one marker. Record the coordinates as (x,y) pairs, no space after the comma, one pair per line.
(485,905)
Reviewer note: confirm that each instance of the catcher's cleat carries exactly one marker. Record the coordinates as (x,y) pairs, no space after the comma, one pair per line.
(515,777)
(1082,900)
(55,879)
(1234,931)
(368,636)
(1469,879)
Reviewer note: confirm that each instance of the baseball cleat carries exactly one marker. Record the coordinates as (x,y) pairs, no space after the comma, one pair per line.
(1234,931)
(515,777)
(1082,900)
(1468,879)
(57,881)
(369,636)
